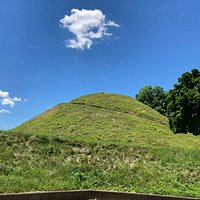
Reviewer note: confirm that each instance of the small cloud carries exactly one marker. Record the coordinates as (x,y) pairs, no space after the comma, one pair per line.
(86,25)
(17,99)
(5,111)
(8,101)
(4,94)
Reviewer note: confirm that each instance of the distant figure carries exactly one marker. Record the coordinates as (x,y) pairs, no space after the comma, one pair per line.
(102,92)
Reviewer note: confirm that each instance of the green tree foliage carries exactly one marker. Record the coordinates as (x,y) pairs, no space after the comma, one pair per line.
(184,104)
(155,97)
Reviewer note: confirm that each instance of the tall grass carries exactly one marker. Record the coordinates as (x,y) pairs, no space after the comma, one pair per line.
(38,164)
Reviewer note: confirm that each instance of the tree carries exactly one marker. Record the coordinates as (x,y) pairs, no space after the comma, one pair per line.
(184,104)
(155,97)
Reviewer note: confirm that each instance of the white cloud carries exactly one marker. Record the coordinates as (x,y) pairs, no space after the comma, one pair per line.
(8,101)
(86,25)
(4,94)
(17,99)
(5,111)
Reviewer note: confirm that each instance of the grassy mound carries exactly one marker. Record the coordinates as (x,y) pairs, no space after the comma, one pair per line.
(98,118)
(100,141)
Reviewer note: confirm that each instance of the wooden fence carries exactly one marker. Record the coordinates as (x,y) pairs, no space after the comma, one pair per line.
(87,195)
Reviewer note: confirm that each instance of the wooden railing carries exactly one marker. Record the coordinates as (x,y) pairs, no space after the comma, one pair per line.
(87,195)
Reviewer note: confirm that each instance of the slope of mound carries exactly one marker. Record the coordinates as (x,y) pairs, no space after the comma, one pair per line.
(99,118)
(123,104)
(105,119)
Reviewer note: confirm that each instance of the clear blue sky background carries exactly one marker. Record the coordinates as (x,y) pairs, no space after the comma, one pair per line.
(157,41)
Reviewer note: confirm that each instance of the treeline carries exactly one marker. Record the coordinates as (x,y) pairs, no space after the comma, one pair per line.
(181,104)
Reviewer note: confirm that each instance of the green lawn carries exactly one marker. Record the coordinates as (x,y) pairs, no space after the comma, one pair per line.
(100,141)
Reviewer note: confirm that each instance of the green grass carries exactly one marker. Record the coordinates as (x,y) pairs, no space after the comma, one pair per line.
(100,141)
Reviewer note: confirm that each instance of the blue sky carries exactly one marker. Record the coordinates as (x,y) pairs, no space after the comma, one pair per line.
(156,42)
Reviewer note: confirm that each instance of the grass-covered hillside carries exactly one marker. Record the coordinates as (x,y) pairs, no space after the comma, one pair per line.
(100,141)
